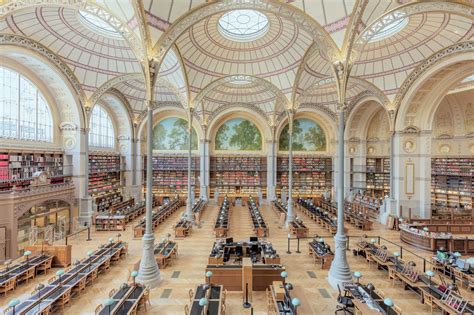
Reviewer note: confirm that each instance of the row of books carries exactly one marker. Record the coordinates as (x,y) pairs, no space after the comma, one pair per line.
(305,163)
(238,163)
(173,163)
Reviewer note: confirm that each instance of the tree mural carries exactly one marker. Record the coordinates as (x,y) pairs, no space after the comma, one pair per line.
(238,134)
(307,136)
(172,134)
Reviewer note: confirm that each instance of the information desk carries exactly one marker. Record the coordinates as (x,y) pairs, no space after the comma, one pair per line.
(215,300)
(158,217)
(439,235)
(24,270)
(234,252)
(125,300)
(58,291)
(321,253)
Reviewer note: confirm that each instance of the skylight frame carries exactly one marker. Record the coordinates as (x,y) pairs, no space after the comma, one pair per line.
(243,25)
(99,25)
(386,27)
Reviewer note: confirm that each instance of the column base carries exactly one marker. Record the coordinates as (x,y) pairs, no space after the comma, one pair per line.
(340,272)
(189,210)
(271,193)
(85,211)
(289,217)
(148,273)
(203,193)
(390,206)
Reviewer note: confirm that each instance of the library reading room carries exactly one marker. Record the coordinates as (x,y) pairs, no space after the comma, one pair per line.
(239,157)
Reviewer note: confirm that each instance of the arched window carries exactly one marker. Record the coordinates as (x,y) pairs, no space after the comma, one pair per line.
(24,112)
(101,133)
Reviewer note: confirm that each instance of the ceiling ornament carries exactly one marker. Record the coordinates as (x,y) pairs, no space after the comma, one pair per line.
(324,41)
(20,41)
(86,6)
(406,10)
(111,83)
(428,64)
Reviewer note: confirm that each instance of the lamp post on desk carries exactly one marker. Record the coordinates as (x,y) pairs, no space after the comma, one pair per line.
(208,276)
(13,303)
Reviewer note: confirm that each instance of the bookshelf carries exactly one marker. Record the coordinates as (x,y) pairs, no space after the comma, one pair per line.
(105,178)
(311,175)
(170,175)
(357,175)
(378,176)
(238,176)
(452,186)
(17,168)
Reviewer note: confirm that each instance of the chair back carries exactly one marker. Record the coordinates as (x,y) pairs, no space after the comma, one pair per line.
(186,309)
(52,279)
(112,292)
(98,309)
(455,302)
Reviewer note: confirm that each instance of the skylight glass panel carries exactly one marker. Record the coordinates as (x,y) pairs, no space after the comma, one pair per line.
(243,25)
(98,25)
(388,26)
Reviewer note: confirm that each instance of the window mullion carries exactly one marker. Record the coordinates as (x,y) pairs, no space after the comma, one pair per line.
(18,122)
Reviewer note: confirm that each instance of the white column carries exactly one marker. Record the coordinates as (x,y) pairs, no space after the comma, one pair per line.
(289,215)
(204,168)
(189,200)
(271,169)
(149,273)
(139,169)
(85,203)
(340,272)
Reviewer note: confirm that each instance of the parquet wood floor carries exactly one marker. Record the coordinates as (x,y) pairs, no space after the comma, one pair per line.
(309,281)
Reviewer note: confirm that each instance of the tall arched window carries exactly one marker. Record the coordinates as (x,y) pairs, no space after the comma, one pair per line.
(101,133)
(24,112)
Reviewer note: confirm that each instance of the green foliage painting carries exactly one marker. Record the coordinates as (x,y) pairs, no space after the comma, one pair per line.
(307,136)
(238,135)
(172,134)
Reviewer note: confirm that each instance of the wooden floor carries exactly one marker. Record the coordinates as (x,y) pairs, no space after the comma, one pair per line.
(310,283)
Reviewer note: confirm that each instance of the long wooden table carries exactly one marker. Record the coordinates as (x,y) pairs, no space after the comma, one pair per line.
(43,301)
(165,252)
(259,226)
(21,269)
(368,302)
(158,217)
(198,209)
(125,301)
(320,254)
(222,221)
(215,300)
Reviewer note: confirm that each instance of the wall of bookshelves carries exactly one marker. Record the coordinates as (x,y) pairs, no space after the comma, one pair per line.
(452,185)
(358,174)
(170,175)
(378,176)
(311,175)
(17,168)
(105,179)
(238,175)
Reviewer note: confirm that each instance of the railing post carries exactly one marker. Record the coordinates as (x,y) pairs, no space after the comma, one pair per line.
(378,238)
(401,252)
(288,251)
(298,245)
(347,242)
(66,240)
(88,233)
(424,265)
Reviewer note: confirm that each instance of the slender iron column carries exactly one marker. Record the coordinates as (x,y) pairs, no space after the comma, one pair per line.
(290,216)
(340,271)
(149,273)
(189,206)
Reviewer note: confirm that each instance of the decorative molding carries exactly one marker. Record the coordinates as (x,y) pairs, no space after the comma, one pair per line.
(250,107)
(427,65)
(68,126)
(20,41)
(111,83)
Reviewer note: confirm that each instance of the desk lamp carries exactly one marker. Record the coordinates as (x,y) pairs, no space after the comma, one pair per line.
(296,302)
(203,302)
(134,274)
(109,303)
(284,275)
(208,276)
(27,253)
(371,288)
(429,274)
(396,255)
(373,241)
(38,289)
(59,273)
(388,302)
(357,275)
(13,303)
(7,263)
(89,254)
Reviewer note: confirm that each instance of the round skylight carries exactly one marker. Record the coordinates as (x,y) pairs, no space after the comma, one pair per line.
(98,25)
(388,26)
(243,25)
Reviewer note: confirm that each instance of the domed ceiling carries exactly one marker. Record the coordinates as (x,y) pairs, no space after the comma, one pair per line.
(105,44)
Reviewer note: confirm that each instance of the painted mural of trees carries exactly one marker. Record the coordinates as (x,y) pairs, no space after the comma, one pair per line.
(307,136)
(172,134)
(239,135)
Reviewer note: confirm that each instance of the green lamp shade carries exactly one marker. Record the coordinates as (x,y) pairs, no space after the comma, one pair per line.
(357,274)
(426,229)
(321,240)
(457,254)
(284,274)
(13,303)
(296,302)
(388,302)
(60,272)
(396,254)
(430,273)
(134,274)
(111,239)
(27,253)
(209,274)
(202,302)
(109,302)
(90,253)
(373,241)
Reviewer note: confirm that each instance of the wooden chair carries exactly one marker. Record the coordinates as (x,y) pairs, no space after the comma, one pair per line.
(8,286)
(45,266)
(30,273)
(191,295)
(379,293)
(223,307)
(112,292)
(81,286)
(105,266)
(52,279)
(98,309)
(186,309)
(145,299)
(270,305)
(62,301)
(397,310)
(458,274)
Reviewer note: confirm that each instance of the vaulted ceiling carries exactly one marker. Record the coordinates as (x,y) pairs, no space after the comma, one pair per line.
(290,64)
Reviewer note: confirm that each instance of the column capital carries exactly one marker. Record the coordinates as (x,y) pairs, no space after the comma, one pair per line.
(85,130)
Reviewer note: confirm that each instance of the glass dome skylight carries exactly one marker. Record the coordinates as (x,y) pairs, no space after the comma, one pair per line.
(468,79)
(386,27)
(98,25)
(243,25)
